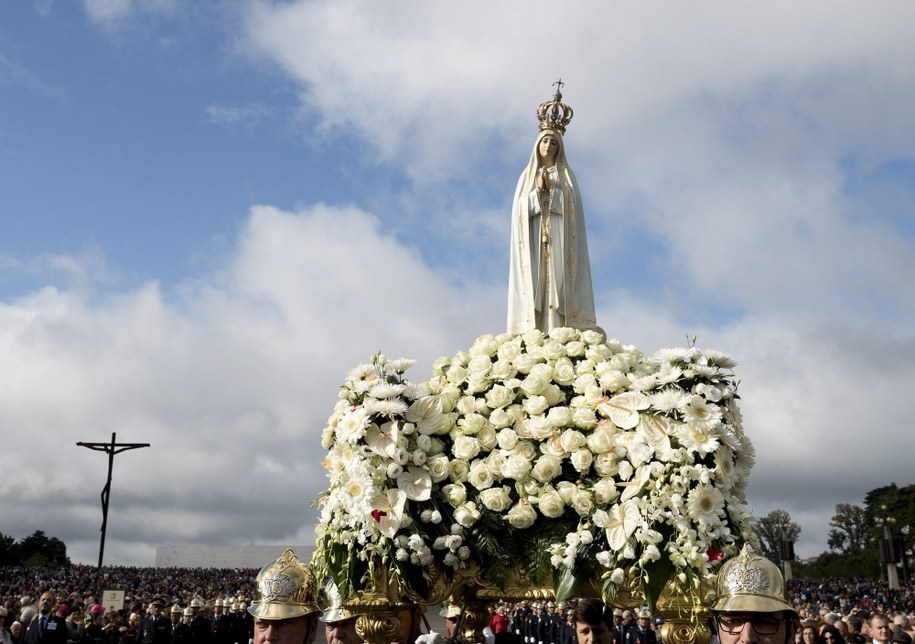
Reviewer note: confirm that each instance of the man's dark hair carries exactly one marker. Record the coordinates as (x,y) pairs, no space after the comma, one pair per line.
(592,611)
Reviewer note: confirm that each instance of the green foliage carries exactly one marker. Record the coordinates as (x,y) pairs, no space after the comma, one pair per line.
(37,549)
(852,532)
(771,529)
(834,565)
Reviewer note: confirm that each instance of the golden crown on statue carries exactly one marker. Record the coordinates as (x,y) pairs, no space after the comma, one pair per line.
(554,114)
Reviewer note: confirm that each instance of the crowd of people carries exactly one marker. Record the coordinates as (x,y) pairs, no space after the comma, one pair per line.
(210,606)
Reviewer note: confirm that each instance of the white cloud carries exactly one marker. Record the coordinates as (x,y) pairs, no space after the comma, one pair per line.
(230,379)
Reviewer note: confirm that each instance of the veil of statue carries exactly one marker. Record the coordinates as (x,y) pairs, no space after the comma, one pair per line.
(549,282)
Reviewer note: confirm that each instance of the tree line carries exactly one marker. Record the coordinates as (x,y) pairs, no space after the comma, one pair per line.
(855,544)
(37,549)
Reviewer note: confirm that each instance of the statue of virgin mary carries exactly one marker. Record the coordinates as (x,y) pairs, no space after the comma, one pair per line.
(549,283)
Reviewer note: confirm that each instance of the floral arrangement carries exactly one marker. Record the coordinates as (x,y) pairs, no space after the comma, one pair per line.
(566,455)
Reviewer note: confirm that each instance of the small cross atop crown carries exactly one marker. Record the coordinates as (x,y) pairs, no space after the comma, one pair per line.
(554,114)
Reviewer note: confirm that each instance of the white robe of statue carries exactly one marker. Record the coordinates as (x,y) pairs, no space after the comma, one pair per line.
(549,283)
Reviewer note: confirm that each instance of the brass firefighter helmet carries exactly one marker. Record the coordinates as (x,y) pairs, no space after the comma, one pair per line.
(285,589)
(749,582)
(334,611)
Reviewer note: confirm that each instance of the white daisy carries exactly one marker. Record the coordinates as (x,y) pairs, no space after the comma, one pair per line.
(706,504)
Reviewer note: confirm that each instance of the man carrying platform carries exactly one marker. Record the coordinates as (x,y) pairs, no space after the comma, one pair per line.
(751,607)
(285,608)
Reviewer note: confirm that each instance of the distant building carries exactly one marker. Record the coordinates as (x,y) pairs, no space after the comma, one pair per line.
(224,556)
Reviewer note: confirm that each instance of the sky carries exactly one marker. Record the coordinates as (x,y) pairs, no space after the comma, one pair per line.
(210,212)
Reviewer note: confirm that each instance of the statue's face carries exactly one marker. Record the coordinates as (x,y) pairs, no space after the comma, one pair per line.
(548,148)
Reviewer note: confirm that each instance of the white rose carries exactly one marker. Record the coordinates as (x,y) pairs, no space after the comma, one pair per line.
(516,467)
(507,438)
(584,417)
(571,439)
(533,338)
(496,498)
(563,334)
(600,440)
(502,369)
(480,475)
(534,405)
(553,394)
(459,469)
(485,345)
(467,514)
(419,457)
(552,447)
(594,394)
(526,449)
(521,516)
(582,503)
(533,384)
(551,505)
(508,351)
(582,382)
(566,490)
(466,405)
(546,469)
(560,417)
(472,423)
(465,447)
(524,362)
(553,350)
(605,491)
(575,348)
(479,366)
(564,372)
(455,493)
(499,396)
(500,418)
(592,337)
(539,428)
(581,460)
(456,374)
(487,438)
(605,464)
(495,460)
(449,396)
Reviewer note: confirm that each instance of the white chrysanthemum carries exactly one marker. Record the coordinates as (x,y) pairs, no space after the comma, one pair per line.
(699,412)
(719,359)
(696,438)
(386,390)
(643,383)
(678,354)
(359,372)
(746,456)
(353,425)
(385,408)
(706,504)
